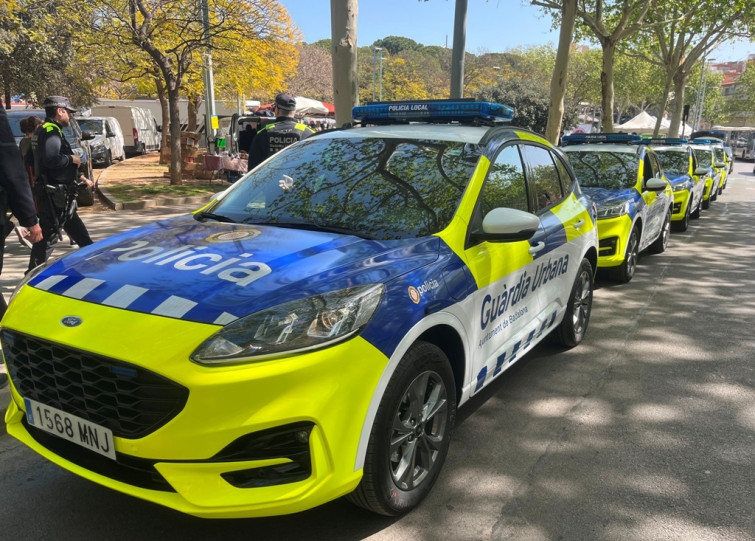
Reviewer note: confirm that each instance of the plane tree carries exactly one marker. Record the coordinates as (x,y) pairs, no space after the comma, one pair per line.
(173,34)
(691,32)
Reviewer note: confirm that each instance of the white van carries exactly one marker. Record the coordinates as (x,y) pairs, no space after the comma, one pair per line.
(140,133)
(108,141)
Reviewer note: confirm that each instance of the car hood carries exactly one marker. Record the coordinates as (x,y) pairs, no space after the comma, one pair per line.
(606,196)
(217,272)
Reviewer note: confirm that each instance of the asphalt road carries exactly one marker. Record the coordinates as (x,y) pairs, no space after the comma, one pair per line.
(644,431)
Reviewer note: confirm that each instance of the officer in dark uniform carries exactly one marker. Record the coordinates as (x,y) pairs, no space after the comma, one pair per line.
(56,170)
(279,134)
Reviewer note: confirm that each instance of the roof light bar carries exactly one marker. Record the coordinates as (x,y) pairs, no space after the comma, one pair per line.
(663,141)
(432,111)
(713,141)
(585,138)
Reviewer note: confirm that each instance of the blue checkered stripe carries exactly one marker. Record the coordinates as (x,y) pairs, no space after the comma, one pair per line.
(133,298)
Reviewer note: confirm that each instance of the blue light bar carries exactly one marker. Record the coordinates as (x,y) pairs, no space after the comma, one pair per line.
(585,138)
(704,141)
(432,111)
(663,141)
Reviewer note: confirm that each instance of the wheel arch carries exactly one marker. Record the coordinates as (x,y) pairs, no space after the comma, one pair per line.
(443,329)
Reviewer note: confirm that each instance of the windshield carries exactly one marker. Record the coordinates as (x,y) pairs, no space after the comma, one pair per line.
(704,157)
(612,170)
(673,162)
(719,153)
(381,188)
(96,127)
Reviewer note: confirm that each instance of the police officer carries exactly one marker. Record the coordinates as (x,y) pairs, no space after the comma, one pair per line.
(56,170)
(279,134)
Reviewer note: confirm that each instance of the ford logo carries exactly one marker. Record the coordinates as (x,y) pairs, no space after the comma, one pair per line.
(71,321)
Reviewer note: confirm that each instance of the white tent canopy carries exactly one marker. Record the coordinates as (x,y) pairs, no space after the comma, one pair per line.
(644,123)
(307,106)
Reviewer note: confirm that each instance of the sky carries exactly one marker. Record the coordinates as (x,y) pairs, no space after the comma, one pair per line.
(492,25)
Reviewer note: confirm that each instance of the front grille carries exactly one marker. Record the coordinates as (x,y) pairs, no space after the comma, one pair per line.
(127,399)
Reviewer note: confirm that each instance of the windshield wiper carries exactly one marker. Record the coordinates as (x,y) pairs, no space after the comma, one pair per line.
(313,227)
(202,216)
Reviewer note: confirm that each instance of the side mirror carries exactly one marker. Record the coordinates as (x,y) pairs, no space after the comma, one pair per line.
(701,171)
(720,164)
(87,136)
(507,225)
(656,184)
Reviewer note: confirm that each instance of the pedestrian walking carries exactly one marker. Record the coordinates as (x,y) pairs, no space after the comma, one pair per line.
(278,135)
(15,192)
(57,176)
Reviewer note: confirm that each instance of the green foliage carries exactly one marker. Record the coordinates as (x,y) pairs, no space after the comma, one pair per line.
(742,103)
(530,102)
(396,44)
(37,53)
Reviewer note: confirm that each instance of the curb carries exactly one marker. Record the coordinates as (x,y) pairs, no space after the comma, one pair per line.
(116,204)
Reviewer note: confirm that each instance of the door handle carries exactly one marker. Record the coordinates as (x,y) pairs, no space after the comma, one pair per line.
(579,224)
(536,248)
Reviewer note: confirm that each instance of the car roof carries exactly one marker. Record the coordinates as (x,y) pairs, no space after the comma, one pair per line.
(439,132)
(671,148)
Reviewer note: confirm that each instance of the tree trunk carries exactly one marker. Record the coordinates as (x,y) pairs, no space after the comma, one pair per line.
(663,102)
(194,103)
(558,81)
(606,85)
(343,28)
(175,136)
(680,81)
(165,127)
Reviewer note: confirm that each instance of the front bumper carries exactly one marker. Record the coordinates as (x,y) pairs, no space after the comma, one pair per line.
(613,234)
(327,391)
(681,201)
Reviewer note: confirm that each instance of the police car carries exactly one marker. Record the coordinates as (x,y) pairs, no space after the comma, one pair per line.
(686,178)
(309,334)
(625,179)
(706,158)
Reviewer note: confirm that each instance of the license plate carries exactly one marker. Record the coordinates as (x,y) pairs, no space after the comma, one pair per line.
(70,427)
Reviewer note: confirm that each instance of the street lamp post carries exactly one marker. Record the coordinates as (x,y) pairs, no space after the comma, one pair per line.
(700,101)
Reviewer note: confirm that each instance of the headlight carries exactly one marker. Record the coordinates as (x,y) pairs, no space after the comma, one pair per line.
(613,210)
(680,187)
(296,326)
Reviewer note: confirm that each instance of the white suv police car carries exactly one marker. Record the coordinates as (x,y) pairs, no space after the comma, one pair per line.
(311,333)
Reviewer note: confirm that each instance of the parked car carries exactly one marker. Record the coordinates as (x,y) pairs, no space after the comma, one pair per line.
(705,153)
(107,143)
(78,139)
(140,131)
(635,201)
(686,177)
(309,333)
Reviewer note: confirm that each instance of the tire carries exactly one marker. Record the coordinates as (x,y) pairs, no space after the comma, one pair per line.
(624,272)
(572,328)
(660,244)
(695,214)
(108,159)
(706,203)
(423,378)
(683,224)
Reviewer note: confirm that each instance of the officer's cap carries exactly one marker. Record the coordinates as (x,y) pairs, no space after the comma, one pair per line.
(285,101)
(58,101)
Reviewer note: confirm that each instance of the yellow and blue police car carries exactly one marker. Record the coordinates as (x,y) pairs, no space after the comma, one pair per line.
(310,333)
(624,178)
(686,178)
(706,158)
